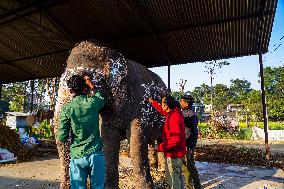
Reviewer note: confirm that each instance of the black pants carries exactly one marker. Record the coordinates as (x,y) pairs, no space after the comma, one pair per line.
(194,177)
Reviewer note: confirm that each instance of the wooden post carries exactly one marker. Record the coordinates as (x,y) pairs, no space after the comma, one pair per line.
(1,90)
(264,109)
(32,97)
(169,77)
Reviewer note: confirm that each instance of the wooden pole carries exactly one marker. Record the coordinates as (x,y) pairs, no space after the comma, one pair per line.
(264,109)
(32,97)
(1,90)
(169,77)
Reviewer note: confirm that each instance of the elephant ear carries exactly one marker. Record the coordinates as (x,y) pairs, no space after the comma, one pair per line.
(116,77)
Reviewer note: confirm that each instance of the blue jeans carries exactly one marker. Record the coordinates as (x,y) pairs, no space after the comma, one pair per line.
(92,166)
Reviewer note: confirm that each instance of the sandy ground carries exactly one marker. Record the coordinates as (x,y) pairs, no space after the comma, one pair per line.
(45,173)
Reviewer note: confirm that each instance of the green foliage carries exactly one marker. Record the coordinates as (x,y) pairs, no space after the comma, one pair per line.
(177,94)
(274,84)
(272,125)
(253,103)
(15,94)
(201,94)
(221,97)
(245,134)
(44,131)
(205,131)
(239,89)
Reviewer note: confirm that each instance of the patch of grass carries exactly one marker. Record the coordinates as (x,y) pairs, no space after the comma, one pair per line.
(245,134)
(272,125)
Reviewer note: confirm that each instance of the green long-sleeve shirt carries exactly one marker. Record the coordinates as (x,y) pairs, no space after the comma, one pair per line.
(81,118)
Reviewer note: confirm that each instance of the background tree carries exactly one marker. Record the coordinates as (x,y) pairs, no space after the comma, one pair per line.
(253,103)
(181,85)
(15,94)
(221,97)
(201,94)
(274,84)
(211,69)
(239,89)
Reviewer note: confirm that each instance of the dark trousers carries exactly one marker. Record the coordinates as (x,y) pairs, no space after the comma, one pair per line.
(194,177)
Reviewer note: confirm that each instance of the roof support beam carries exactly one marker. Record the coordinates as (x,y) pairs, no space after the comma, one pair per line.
(36,56)
(156,38)
(29,9)
(23,70)
(60,27)
(205,24)
(150,29)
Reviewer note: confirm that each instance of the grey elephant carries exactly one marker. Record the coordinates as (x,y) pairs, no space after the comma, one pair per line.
(126,85)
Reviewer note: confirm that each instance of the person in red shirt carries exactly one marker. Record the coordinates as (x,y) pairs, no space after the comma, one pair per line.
(173,139)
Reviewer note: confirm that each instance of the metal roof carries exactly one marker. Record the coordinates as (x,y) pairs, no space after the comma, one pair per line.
(36,35)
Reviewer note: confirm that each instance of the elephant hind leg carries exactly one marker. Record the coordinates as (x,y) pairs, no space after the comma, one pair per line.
(139,157)
(153,160)
(111,140)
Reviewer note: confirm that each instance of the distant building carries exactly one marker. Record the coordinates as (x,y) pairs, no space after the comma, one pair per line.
(234,107)
(198,108)
(208,108)
(16,119)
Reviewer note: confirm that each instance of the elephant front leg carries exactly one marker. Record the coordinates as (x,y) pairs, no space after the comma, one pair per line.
(111,139)
(139,157)
(64,156)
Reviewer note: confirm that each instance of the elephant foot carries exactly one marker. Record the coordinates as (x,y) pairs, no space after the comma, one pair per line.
(141,183)
(108,186)
(64,185)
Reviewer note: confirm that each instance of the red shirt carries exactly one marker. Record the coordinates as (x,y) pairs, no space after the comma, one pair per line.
(173,133)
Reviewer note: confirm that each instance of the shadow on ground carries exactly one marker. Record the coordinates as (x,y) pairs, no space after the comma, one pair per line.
(19,183)
(215,176)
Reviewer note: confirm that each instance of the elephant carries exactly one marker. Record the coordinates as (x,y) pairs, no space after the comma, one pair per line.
(126,86)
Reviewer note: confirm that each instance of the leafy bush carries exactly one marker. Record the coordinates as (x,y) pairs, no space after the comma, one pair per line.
(271,125)
(205,131)
(245,134)
(44,131)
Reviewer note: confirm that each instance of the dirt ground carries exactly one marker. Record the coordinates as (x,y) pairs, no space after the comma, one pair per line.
(44,173)
(275,146)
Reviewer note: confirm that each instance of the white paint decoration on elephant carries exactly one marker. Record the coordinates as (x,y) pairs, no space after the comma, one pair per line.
(148,111)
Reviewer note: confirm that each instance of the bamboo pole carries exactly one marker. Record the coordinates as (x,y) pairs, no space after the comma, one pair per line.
(264,109)
(169,77)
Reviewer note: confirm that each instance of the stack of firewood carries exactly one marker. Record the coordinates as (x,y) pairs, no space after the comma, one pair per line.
(10,140)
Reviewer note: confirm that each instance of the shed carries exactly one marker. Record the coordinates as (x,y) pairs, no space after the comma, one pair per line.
(16,119)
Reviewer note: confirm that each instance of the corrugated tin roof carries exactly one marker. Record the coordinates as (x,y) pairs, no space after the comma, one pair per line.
(36,35)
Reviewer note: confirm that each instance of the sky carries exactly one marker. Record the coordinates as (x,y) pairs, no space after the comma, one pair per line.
(242,68)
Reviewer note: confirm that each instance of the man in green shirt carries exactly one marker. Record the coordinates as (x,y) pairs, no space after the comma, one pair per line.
(80,118)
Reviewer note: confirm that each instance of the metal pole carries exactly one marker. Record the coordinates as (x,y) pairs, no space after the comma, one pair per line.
(264,109)
(32,97)
(169,77)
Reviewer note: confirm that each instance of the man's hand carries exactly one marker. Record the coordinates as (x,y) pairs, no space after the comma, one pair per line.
(150,100)
(89,82)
